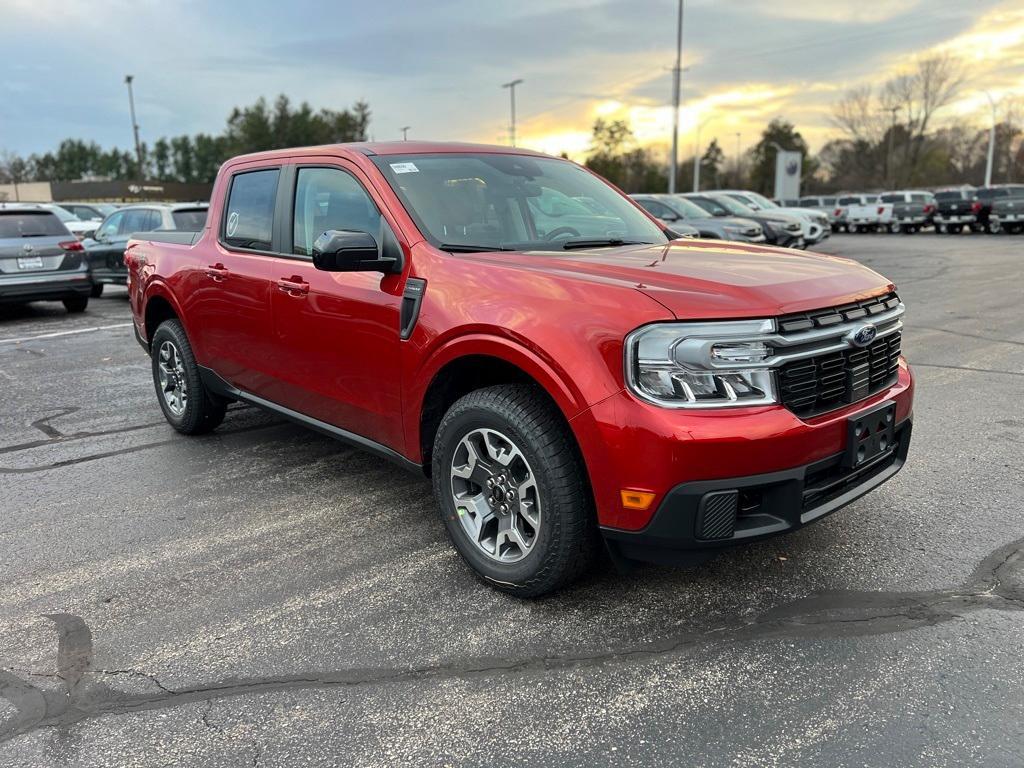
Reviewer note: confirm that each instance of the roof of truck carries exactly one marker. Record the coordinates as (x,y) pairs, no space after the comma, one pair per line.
(393,148)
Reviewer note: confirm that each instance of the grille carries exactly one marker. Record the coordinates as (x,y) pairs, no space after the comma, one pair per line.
(815,385)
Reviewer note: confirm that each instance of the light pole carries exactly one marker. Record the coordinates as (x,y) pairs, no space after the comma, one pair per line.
(676,74)
(696,154)
(135,126)
(405,132)
(738,183)
(991,141)
(512,96)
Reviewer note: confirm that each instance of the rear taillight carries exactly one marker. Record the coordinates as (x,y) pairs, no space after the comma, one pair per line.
(72,245)
(976,206)
(929,209)
(881,210)
(838,212)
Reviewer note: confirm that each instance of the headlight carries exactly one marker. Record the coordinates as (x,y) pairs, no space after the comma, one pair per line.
(701,365)
(734,230)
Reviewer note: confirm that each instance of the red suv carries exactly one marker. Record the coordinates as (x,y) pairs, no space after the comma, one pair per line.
(521,331)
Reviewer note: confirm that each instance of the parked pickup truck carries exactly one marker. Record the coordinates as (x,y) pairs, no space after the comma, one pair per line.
(561,384)
(1008,213)
(911,210)
(955,209)
(863,213)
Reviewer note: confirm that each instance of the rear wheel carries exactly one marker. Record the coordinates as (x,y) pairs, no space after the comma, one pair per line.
(97,290)
(186,403)
(76,304)
(512,490)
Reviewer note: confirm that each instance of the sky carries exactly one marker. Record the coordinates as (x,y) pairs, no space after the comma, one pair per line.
(438,65)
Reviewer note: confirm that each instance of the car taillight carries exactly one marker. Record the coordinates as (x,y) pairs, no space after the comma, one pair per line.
(72,245)
(929,209)
(976,206)
(839,212)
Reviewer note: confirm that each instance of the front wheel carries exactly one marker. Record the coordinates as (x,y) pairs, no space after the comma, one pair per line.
(187,405)
(513,491)
(76,304)
(954,229)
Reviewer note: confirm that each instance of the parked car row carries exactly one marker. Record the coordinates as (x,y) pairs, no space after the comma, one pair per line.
(43,259)
(737,215)
(986,209)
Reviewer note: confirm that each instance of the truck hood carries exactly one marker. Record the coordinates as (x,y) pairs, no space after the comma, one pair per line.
(704,279)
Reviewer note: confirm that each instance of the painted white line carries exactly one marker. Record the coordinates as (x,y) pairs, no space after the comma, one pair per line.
(56,334)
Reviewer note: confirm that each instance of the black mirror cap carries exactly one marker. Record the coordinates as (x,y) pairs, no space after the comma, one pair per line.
(338,250)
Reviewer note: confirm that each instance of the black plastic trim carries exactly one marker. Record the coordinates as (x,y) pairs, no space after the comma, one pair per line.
(213,382)
(412,298)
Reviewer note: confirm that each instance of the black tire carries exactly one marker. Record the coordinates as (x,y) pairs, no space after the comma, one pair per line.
(567,541)
(76,304)
(203,411)
(97,290)
(954,229)
(1014,229)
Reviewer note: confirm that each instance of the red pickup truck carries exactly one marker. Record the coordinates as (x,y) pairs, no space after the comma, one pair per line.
(522,332)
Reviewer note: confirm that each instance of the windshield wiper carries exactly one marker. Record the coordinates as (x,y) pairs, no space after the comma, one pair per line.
(466,248)
(599,242)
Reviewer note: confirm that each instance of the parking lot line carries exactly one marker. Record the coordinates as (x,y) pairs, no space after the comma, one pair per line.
(55,334)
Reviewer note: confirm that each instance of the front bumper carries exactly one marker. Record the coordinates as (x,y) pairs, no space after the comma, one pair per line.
(1007,218)
(631,445)
(44,286)
(965,219)
(697,518)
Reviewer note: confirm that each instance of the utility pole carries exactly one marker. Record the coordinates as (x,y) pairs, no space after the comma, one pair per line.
(738,159)
(991,141)
(512,96)
(405,132)
(676,75)
(135,126)
(889,170)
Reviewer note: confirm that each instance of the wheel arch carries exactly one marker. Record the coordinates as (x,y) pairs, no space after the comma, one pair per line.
(472,363)
(160,306)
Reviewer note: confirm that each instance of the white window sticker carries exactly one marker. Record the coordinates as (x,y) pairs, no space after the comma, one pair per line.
(404,168)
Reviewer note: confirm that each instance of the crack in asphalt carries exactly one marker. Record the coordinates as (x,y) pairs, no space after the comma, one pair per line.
(996,584)
(121,451)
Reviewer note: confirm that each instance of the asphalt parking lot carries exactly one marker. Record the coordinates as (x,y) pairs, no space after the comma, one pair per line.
(266,596)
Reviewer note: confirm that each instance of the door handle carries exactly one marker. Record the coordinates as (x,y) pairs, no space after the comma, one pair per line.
(217,272)
(293,286)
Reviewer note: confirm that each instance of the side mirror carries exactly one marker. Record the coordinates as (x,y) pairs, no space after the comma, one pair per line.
(338,250)
(670,217)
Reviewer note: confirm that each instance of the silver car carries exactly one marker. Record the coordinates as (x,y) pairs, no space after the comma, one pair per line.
(40,260)
(674,211)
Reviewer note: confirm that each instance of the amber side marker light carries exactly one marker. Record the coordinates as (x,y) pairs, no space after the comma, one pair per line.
(636,499)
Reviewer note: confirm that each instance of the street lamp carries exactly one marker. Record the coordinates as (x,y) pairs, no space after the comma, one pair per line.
(991,141)
(512,95)
(676,74)
(135,126)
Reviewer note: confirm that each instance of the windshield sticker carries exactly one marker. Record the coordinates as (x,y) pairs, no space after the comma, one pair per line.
(404,168)
(232,224)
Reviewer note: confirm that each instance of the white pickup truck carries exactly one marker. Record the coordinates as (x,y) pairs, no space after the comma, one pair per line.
(862,213)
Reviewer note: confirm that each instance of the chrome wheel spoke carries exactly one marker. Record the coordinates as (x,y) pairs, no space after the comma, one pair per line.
(172,379)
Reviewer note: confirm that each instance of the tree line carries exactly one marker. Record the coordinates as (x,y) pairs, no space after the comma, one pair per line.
(888,140)
(195,159)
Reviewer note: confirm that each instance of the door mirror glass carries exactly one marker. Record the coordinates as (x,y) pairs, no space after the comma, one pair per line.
(338,250)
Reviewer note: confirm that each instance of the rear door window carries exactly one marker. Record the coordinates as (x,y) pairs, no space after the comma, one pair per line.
(657,210)
(139,220)
(30,224)
(249,216)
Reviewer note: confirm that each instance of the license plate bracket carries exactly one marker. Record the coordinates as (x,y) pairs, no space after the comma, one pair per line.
(870,434)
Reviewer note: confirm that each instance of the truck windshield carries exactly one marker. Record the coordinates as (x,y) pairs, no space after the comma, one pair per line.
(512,202)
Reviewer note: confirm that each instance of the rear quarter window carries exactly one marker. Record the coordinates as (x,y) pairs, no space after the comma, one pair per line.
(30,224)
(249,214)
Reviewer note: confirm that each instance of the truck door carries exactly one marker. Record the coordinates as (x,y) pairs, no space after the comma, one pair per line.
(336,334)
(227,292)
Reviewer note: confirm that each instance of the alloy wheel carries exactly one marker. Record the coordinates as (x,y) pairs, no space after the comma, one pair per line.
(496,496)
(171,373)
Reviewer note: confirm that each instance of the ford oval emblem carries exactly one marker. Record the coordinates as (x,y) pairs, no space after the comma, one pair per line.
(864,335)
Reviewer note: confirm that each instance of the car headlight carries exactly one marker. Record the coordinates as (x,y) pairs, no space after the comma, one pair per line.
(701,365)
(734,230)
